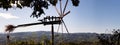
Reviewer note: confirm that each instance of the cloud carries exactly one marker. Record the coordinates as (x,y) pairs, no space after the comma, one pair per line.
(8,16)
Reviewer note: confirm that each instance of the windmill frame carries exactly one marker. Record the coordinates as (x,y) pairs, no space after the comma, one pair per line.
(49,21)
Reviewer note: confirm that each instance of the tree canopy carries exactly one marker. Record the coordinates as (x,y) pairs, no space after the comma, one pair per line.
(37,5)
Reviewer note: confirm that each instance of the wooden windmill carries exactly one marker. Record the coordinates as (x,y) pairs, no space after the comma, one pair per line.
(49,20)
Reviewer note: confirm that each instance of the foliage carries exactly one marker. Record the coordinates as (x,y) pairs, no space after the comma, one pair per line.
(116,37)
(104,39)
(45,41)
(9,28)
(37,5)
(31,42)
(113,39)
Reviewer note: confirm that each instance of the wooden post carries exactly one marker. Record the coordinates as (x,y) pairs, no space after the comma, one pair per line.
(52,30)
(8,38)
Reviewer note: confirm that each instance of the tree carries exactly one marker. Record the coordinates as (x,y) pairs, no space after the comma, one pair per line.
(37,5)
(116,37)
(104,39)
(112,39)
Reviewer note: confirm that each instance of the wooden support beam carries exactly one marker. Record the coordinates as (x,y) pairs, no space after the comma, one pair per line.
(38,23)
(52,31)
(30,24)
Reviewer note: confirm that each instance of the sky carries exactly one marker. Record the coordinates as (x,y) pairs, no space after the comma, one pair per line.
(93,16)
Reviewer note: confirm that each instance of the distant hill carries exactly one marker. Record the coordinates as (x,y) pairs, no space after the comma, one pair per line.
(72,37)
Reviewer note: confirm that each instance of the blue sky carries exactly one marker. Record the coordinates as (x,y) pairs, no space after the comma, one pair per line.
(99,16)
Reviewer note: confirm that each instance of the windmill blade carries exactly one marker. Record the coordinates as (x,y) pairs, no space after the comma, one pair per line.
(65,6)
(65,27)
(62,31)
(61,7)
(62,28)
(58,28)
(66,13)
(57,10)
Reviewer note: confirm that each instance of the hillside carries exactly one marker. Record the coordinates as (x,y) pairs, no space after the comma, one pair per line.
(72,37)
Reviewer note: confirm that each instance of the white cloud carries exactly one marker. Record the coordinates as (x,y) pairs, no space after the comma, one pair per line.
(8,16)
